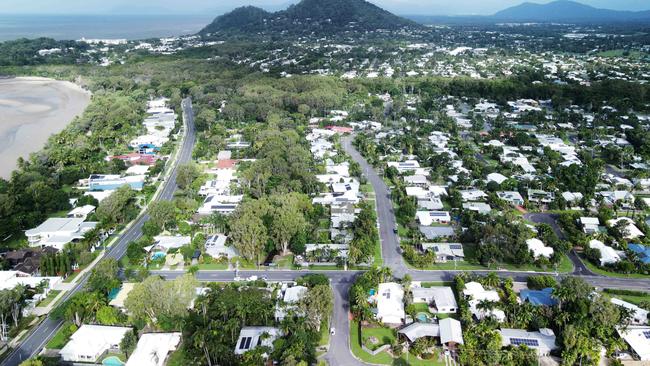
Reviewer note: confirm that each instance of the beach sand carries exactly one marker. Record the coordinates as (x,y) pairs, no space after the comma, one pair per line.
(31,110)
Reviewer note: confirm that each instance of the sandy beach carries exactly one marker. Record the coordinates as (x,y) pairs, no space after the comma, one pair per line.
(31,110)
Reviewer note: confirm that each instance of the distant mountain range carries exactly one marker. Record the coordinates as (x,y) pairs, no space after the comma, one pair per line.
(320,16)
(562,11)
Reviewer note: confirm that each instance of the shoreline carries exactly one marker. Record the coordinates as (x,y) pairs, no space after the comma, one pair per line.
(31,110)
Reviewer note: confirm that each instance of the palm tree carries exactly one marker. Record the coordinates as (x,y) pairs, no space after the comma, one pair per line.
(491,280)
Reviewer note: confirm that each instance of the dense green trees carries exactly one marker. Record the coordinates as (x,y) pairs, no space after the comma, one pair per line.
(365,235)
(119,207)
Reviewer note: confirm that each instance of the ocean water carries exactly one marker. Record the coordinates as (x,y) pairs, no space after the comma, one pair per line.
(64,27)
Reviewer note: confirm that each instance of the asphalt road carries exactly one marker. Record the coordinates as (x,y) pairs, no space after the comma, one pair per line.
(385,215)
(42,333)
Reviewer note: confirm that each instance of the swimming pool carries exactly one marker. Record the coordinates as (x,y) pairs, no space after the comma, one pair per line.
(423,317)
(158,255)
(112,361)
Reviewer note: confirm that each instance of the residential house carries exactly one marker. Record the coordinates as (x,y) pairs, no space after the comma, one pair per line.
(630,229)
(90,342)
(253,337)
(445,252)
(589,225)
(543,341)
(512,197)
(427,218)
(496,178)
(442,299)
(81,212)
(215,247)
(103,182)
(473,195)
(153,349)
(538,248)
(540,196)
(638,338)
(57,232)
(404,166)
(639,316)
(223,204)
(437,232)
(431,204)
(480,207)
(642,252)
(448,330)
(607,254)
(390,303)
(476,294)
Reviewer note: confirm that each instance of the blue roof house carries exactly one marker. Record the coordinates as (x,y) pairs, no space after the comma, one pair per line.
(641,251)
(538,297)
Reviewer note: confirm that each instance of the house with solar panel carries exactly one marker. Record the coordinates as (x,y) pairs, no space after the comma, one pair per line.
(253,337)
(445,252)
(543,341)
(428,218)
(638,340)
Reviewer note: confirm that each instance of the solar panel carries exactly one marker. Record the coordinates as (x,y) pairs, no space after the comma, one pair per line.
(456,246)
(646,334)
(242,344)
(248,342)
(525,341)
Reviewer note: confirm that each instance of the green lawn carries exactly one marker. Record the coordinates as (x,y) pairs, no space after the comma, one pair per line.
(636,300)
(50,296)
(565,266)
(61,337)
(379,260)
(603,272)
(285,262)
(23,323)
(383,358)
(421,307)
(324,334)
(434,284)
(213,266)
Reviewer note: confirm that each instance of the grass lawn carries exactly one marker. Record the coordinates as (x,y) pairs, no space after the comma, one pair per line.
(285,262)
(636,300)
(177,358)
(50,296)
(367,188)
(421,307)
(379,261)
(565,266)
(603,272)
(434,284)
(324,334)
(213,266)
(383,358)
(61,337)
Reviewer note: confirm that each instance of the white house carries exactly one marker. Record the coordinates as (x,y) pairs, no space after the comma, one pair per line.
(449,331)
(427,218)
(81,212)
(404,166)
(589,224)
(512,197)
(90,342)
(440,298)
(631,231)
(57,232)
(215,247)
(475,292)
(538,248)
(496,177)
(639,315)
(473,195)
(252,337)
(153,349)
(445,251)
(480,207)
(223,204)
(390,303)
(638,338)
(543,342)
(607,254)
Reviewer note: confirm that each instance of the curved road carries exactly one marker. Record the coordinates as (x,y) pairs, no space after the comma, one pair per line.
(42,333)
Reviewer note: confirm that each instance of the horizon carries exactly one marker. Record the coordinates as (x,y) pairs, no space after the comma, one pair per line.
(205,8)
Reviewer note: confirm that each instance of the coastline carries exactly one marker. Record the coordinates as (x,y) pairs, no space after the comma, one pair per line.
(31,110)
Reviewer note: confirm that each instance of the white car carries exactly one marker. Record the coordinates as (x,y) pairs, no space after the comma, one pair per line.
(332,331)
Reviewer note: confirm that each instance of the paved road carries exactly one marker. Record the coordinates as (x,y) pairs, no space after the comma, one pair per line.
(385,215)
(40,335)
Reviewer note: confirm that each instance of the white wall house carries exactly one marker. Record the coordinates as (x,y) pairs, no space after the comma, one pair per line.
(538,248)
(153,349)
(428,218)
(90,342)
(390,303)
(57,232)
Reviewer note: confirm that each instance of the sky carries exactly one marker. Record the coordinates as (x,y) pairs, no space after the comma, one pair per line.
(216,7)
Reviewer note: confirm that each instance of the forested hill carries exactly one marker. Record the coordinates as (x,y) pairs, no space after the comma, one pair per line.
(321,16)
(564,10)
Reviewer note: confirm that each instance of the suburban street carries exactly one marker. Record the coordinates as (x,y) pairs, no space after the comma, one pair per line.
(339,351)
(41,334)
(385,215)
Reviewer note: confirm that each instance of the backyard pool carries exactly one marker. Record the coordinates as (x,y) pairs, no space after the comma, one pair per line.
(112,361)
(158,255)
(423,317)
